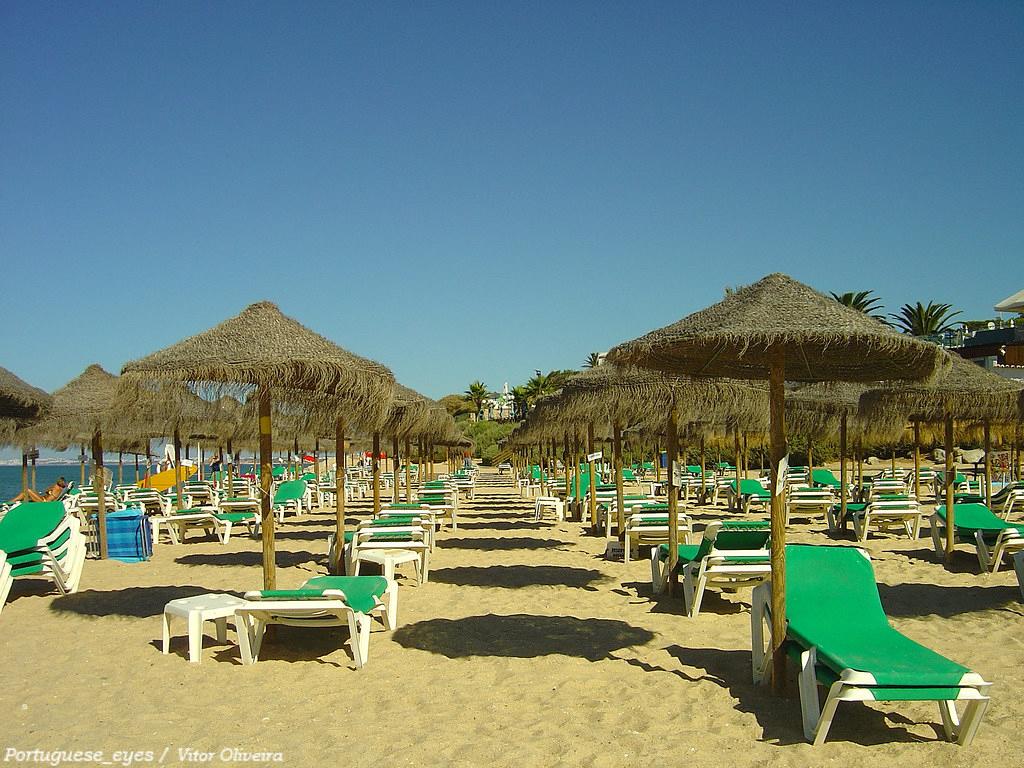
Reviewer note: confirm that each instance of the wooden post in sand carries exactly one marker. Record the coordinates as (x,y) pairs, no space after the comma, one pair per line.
(396,471)
(917,460)
(950,477)
(671,449)
(266,479)
(339,493)
(98,483)
(777,409)
(375,464)
(593,477)
(620,500)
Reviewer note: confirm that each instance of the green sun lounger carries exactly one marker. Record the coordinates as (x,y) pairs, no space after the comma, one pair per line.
(324,601)
(824,477)
(751,493)
(841,639)
(731,554)
(41,539)
(976,524)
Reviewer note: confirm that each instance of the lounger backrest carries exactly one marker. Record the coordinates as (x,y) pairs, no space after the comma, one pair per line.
(968,518)
(25,524)
(290,490)
(750,488)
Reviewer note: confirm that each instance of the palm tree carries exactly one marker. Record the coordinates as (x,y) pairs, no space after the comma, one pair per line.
(520,403)
(862,301)
(920,320)
(593,360)
(477,395)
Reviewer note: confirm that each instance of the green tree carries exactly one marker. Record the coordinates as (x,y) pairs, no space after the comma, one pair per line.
(593,360)
(920,320)
(520,403)
(862,301)
(456,405)
(477,395)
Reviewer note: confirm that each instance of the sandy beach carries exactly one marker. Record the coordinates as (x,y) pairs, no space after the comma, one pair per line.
(527,647)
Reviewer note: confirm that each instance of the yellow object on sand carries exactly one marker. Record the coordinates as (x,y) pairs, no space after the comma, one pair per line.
(161,481)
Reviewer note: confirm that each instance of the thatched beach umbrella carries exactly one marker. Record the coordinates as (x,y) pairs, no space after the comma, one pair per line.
(20,405)
(258,350)
(965,392)
(779,329)
(83,411)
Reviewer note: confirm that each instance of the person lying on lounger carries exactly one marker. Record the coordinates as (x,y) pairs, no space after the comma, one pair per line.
(52,493)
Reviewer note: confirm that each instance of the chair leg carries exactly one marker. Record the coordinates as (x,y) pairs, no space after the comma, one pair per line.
(195,638)
(828,713)
(696,595)
(810,708)
(166,626)
(973,715)
(657,580)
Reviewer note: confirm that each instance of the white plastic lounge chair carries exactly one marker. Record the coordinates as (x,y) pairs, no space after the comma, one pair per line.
(389,544)
(993,537)
(808,500)
(731,555)
(6,580)
(888,514)
(41,540)
(1018,566)
(324,601)
(647,525)
(842,639)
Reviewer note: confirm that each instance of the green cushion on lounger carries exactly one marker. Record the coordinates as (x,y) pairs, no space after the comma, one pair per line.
(825,477)
(291,490)
(751,488)
(737,534)
(832,603)
(235,517)
(360,591)
(969,518)
(24,525)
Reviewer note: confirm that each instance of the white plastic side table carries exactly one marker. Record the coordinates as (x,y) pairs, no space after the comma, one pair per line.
(196,610)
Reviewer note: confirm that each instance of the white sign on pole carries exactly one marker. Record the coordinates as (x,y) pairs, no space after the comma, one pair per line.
(783,470)
(594,456)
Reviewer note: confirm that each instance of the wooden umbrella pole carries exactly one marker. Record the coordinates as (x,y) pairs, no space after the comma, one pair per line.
(917,460)
(842,468)
(810,462)
(671,449)
(24,474)
(136,469)
(316,460)
(565,460)
(101,494)
(592,469)
(266,478)
(339,493)
(230,471)
(950,481)
(657,462)
(177,468)
(892,460)
(860,465)
(777,410)
(620,498)
(577,479)
(703,490)
(396,472)
(988,462)
(81,469)
(408,470)
(375,464)
(746,457)
(739,486)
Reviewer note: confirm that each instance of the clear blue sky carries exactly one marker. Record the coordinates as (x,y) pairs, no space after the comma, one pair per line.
(476,190)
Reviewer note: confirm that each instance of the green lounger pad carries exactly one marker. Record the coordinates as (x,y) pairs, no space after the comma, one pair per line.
(968,518)
(235,517)
(359,594)
(832,603)
(24,525)
(751,488)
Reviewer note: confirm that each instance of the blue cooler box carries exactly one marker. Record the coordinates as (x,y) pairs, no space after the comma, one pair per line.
(129,536)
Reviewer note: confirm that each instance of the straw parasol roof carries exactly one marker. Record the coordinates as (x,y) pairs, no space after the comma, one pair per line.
(262,347)
(20,403)
(965,392)
(81,408)
(822,340)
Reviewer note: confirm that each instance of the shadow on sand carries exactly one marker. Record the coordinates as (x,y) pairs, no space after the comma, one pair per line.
(500,543)
(521,636)
(136,602)
(516,576)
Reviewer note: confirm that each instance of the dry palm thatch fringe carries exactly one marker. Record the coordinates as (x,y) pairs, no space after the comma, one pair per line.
(822,340)
(20,405)
(966,392)
(261,347)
